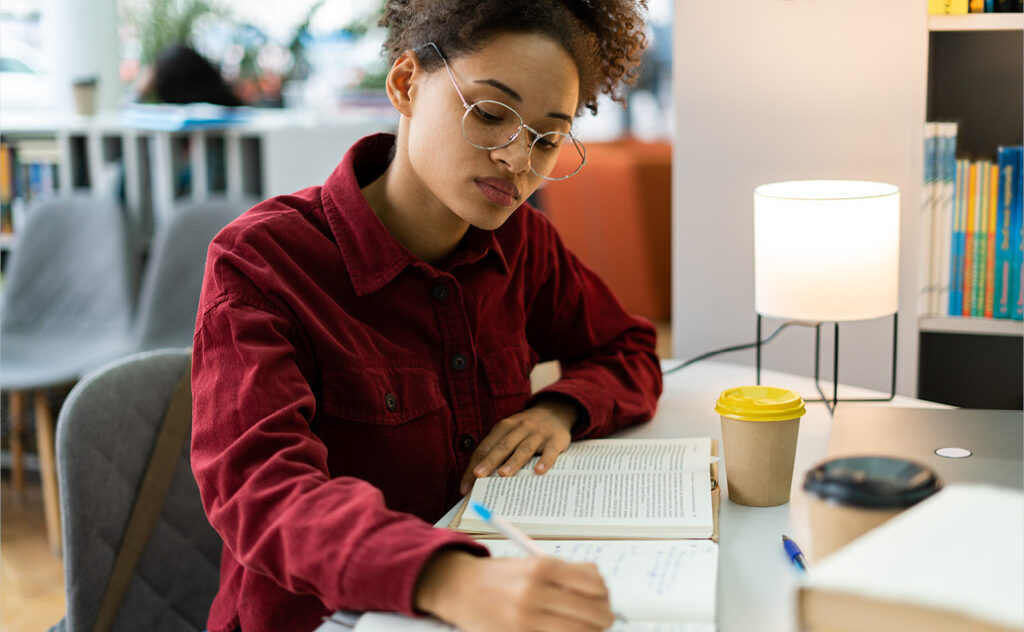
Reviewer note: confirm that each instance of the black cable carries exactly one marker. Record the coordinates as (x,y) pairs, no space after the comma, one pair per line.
(704,356)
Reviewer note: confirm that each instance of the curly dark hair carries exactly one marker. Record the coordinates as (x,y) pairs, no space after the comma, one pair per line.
(605,38)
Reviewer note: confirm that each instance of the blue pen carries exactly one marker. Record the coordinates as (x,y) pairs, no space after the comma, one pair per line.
(510,531)
(795,554)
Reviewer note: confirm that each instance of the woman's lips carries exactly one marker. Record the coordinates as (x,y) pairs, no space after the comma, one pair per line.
(498,190)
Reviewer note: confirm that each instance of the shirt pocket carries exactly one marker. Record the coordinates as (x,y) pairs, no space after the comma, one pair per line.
(507,371)
(385,396)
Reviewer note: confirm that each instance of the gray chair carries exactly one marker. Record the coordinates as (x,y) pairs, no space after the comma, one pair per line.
(176,577)
(173,278)
(66,309)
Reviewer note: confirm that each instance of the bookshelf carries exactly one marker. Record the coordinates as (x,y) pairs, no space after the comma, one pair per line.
(975,78)
(152,170)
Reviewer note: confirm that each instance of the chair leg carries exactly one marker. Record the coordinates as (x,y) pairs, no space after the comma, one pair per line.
(48,469)
(16,400)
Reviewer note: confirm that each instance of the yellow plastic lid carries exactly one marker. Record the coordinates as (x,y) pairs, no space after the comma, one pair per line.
(760,403)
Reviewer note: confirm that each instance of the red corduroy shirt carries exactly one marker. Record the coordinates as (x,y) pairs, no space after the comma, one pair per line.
(340,386)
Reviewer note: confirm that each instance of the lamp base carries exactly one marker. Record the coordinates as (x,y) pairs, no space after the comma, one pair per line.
(831,403)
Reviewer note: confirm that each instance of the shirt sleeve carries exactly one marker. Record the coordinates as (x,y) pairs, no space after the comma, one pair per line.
(608,358)
(264,480)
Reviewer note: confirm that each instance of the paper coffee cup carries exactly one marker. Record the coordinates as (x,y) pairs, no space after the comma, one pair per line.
(846,497)
(759,432)
(84,92)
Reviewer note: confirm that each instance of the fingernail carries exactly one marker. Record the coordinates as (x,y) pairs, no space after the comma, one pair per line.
(506,470)
(541,467)
(464,488)
(480,471)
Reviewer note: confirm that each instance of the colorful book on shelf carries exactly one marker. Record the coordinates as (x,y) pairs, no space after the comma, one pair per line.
(1017,239)
(928,219)
(947,7)
(1003,252)
(946,172)
(978,258)
(990,238)
(968,265)
(959,223)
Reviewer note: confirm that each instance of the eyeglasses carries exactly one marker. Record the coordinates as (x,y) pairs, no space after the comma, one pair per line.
(492,125)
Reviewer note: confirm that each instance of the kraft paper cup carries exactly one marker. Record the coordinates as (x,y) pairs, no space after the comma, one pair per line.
(759,432)
(84,92)
(848,497)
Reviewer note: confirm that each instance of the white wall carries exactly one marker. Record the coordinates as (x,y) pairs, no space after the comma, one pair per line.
(81,40)
(771,90)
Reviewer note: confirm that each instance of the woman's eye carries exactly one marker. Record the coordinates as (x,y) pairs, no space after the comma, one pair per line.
(492,116)
(549,142)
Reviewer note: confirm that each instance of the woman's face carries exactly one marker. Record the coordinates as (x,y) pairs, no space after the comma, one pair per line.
(530,73)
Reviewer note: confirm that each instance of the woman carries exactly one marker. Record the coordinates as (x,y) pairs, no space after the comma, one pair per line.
(363,348)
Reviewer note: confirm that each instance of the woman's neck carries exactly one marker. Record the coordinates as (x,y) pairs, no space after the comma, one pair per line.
(411,213)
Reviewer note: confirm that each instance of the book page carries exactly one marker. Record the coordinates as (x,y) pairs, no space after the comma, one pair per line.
(658,586)
(391,622)
(649,580)
(642,504)
(631,455)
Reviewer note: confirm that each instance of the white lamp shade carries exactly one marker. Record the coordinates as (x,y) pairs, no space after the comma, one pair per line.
(826,250)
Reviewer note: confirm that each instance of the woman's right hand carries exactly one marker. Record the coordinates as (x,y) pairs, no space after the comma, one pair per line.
(483,594)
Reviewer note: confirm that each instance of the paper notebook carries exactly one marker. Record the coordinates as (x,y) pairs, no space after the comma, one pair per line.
(657,585)
(608,488)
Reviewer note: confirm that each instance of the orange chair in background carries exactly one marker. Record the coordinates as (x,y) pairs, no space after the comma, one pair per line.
(615,214)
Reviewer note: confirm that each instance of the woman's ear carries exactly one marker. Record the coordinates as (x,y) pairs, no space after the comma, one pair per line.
(400,81)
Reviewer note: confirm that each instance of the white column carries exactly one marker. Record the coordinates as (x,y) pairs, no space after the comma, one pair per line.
(81,40)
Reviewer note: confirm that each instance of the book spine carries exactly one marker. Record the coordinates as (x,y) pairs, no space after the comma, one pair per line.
(6,187)
(980,240)
(947,7)
(977,6)
(947,175)
(968,281)
(926,242)
(990,244)
(956,259)
(1017,234)
(1003,253)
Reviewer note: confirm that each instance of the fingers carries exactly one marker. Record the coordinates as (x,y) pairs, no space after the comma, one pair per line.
(514,441)
(552,449)
(575,592)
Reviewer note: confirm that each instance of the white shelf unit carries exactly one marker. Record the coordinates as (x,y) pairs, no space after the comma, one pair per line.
(977,22)
(982,326)
(274,152)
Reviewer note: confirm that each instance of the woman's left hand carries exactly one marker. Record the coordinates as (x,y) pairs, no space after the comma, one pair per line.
(544,428)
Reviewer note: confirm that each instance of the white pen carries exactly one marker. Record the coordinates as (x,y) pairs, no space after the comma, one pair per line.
(513,533)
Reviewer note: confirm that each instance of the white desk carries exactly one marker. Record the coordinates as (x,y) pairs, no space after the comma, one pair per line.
(756,582)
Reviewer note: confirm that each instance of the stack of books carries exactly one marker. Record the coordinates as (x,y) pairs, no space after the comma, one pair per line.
(972,233)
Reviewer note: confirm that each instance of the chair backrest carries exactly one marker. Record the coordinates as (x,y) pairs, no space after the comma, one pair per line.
(173,277)
(105,435)
(71,271)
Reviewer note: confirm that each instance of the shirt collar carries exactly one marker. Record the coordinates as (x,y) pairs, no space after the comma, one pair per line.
(373,257)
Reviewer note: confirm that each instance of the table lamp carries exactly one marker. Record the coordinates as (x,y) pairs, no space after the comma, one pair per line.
(826,251)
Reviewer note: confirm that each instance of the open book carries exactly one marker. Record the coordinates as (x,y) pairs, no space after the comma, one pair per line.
(657,585)
(608,488)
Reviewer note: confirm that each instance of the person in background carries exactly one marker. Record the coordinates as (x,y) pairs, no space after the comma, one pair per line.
(181,75)
(363,348)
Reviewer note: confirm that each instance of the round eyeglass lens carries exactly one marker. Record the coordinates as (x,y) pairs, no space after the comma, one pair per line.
(556,156)
(490,125)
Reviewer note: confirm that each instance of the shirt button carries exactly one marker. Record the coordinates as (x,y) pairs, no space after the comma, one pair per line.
(440,292)
(466,442)
(390,401)
(459,362)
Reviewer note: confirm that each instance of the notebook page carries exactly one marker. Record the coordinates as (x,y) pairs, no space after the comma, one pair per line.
(631,455)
